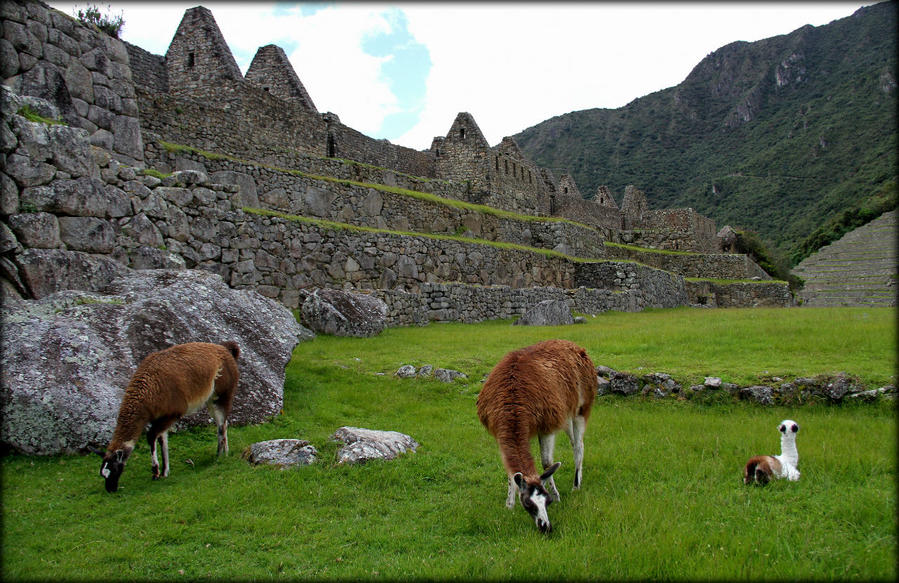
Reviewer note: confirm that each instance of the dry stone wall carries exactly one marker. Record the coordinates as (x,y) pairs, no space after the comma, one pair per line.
(675,229)
(381,208)
(188,220)
(718,266)
(83,72)
(739,295)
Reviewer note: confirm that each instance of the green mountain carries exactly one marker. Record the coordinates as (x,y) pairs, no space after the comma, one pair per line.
(778,136)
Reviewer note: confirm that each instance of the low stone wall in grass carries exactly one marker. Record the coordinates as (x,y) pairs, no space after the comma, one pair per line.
(836,388)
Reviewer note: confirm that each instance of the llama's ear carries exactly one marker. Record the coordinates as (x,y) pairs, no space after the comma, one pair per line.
(519,481)
(550,471)
(119,455)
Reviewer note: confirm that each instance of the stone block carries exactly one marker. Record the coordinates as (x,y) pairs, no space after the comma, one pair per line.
(127,134)
(38,230)
(79,81)
(27,172)
(87,234)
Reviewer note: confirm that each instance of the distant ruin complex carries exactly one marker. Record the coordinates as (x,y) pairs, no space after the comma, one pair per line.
(259,142)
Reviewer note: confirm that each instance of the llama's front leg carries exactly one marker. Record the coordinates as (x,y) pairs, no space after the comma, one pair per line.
(510,498)
(547,447)
(152,436)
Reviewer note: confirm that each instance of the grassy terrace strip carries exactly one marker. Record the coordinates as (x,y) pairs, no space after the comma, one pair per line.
(425,196)
(658,251)
(661,499)
(32,116)
(336,226)
(733,281)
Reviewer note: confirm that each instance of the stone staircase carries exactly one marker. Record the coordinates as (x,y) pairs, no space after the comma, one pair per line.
(857,270)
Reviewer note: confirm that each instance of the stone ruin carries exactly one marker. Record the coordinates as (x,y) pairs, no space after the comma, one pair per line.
(180,161)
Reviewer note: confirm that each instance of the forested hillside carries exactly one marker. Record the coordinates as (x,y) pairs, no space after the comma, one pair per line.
(784,136)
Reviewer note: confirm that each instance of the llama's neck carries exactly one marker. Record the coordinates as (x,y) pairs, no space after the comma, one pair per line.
(788,451)
(516,452)
(128,429)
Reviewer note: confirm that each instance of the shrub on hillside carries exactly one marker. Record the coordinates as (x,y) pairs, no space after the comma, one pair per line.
(773,264)
(862,213)
(111,25)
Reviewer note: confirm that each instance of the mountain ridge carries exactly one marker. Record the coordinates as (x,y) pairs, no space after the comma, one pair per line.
(777,136)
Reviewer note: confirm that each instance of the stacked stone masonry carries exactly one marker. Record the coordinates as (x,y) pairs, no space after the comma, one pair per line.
(83,72)
(75,194)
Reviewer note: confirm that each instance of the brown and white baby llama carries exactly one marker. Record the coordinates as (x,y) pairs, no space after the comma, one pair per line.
(537,391)
(166,386)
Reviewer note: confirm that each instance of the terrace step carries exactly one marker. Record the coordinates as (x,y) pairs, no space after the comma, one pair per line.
(857,270)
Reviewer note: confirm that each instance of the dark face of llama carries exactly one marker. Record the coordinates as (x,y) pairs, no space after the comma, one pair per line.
(111,469)
(535,499)
(790,426)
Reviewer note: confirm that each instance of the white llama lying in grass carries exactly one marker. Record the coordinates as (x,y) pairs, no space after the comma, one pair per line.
(761,469)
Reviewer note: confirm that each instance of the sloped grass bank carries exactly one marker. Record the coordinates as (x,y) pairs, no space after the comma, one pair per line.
(662,496)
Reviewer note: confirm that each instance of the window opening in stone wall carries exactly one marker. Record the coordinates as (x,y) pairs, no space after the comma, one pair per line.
(506,165)
(496,159)
(332,147)
(190,60)
(565,190)
(462,133)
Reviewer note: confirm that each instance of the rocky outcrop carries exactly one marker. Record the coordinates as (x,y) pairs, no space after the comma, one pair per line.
(67,357)
(341,313)
(547,313)
(444,375)
(368,444)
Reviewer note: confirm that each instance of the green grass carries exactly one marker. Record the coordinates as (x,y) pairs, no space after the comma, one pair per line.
(28,113)
(662,496)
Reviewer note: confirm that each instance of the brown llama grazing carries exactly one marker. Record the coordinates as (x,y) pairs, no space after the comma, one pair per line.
(166,386)
(537,391)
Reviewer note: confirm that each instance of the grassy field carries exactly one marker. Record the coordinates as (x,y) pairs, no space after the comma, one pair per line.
(662,495)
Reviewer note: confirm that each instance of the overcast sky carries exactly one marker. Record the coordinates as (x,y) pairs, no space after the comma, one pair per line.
(403,71)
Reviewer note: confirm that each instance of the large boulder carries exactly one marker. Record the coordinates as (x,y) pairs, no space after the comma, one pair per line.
(547,313)
(342,313)
(67,358)
(371,444)
(285,453)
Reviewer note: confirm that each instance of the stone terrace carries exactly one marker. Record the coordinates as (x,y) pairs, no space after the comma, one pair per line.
(857,270)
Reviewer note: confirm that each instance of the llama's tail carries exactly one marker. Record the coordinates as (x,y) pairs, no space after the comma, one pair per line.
(755,471)
(749,472)
(232,347)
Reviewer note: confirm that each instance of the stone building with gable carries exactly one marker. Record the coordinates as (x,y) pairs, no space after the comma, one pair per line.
(282,117)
